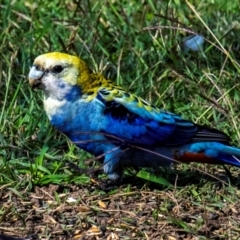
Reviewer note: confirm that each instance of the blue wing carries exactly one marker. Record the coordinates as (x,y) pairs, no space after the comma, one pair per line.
(136,121)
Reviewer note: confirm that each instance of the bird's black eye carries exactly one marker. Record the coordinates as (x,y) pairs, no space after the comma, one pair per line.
(37,67)
(57,69)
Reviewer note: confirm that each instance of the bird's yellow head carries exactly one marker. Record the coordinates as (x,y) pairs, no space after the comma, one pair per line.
(50,67)
(58,65)
(58,73)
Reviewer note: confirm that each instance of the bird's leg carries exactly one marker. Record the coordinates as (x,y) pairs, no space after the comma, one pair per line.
(91,172)
(111,166)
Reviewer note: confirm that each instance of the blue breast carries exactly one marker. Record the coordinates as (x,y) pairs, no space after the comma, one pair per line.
(81,121)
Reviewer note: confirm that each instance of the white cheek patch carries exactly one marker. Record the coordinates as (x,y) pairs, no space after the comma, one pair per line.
(50,82)
(56,87)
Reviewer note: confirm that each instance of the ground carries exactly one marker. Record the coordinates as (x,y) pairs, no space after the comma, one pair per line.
(130,211)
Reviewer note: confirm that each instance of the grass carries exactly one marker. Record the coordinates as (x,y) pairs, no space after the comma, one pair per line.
(137,44)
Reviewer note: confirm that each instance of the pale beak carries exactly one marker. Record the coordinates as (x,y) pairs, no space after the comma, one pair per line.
(35,78)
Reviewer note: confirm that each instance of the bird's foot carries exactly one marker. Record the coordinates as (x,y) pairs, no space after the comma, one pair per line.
(110,184)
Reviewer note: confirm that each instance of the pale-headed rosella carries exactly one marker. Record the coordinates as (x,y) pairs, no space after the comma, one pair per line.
(105,120)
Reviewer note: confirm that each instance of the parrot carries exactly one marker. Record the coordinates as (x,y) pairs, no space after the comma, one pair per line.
(119,128)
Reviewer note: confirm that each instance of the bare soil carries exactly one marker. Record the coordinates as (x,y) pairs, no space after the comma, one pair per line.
(140,212)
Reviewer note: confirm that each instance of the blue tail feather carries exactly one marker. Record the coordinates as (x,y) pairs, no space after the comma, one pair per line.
(231,150)
(220,153)
(229,159)
(230,155)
